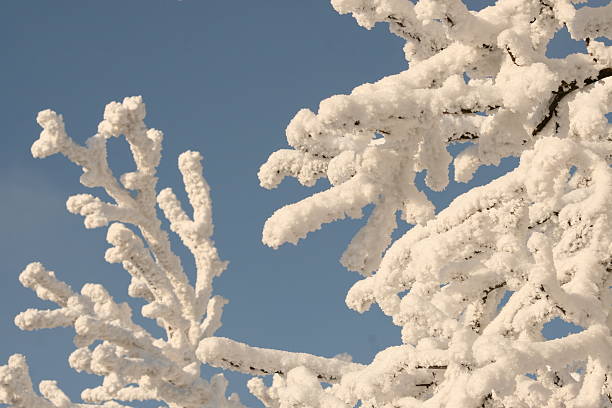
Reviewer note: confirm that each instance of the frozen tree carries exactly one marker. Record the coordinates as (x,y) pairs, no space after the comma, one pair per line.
(134,364)
(471,287)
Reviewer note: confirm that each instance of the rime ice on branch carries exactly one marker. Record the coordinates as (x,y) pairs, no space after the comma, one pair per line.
(134,364)
(541,233)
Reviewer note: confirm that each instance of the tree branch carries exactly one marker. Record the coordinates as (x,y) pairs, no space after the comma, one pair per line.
(564,90)
(236,356)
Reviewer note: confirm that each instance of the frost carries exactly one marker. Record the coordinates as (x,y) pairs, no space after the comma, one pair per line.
(542,232)
(134,365)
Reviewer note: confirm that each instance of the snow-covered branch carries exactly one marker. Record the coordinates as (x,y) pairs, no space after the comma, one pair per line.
(232,355)
(492,86)
(538,236)
(134,364)
(472,287)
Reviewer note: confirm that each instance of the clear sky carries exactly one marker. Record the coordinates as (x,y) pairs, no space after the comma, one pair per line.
(221,77)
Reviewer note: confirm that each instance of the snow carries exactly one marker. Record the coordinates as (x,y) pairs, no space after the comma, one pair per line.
(542,231)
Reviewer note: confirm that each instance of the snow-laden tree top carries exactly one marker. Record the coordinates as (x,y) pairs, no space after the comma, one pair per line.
(541,234)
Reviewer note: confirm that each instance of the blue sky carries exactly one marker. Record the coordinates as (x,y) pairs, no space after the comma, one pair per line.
(224,78)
